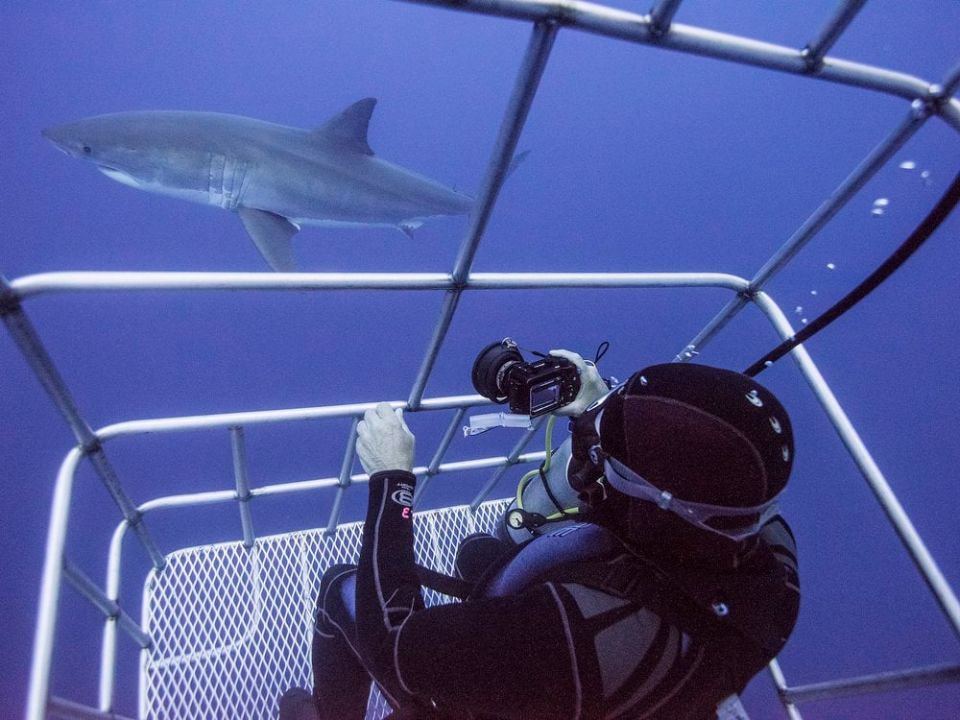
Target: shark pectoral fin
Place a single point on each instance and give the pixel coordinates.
(272, 234)
(408, 226)
(349, 128)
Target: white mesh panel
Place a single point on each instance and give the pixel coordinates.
(232, 627)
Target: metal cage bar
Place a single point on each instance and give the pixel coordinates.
(239, 449)
(878, 682)
(343, 480)
(851, 185)
(110, 608)
(780, 682)
(817, 48)
(897, 516)
(525, 87)
(632, 27)
(442, 447)
(661, 15)
(31, 347)
(69, 710)
(510, 460)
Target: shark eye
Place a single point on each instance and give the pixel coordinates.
(87, 150)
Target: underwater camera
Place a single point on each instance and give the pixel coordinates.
(532, 388)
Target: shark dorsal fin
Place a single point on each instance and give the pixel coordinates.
(349, 128)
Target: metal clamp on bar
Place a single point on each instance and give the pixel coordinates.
(661, 16)
(110, 608)
(9, 300)
(815, 51)
(243, 493)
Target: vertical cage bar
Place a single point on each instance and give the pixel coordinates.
(525, 88)
(49, 603)
(110, 608)
(881, 489)
(130, 513)
(349, 454)
(817, 48)
(239, 448)
(30, 345)
(335, 511)
(661, 15)
(951, 83)
(853, 183)
(434, 465)
(344, 479)
(509, 462)
(720, 321)
(780, 682)
(42, 365)
(450, 301)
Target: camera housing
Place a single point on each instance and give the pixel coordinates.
(531, 388)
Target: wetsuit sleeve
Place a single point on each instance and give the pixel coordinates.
(388, 591)
(513, 656)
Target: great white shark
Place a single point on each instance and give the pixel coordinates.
(276, 178)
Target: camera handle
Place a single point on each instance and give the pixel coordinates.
(481, 423)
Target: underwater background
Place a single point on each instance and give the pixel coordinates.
(640, 160)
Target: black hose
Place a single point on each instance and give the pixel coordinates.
(920, 235)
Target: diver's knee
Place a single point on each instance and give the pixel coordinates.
(475, 554)
(329, 601)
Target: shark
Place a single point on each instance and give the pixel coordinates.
(276, 178)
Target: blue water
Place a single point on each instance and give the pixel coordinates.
(641, 160)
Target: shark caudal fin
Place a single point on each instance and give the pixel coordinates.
(408, 226)
(273, 235)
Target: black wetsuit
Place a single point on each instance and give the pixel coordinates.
(587, 645)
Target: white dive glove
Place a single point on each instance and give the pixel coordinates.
(592, 386)
(384, 442)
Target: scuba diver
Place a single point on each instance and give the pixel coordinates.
(641, 572)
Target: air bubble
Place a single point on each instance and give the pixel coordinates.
(831, 266)
(877, 212)
(799, 309)
(813, 292)
(908, 165)
(881, 202)
(803, 320)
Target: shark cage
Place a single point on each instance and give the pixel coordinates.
(225, 628)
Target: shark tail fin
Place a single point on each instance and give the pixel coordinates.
(408, 226)
(272, 234)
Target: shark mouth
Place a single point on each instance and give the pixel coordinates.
(118, 175)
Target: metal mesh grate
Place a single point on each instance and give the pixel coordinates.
(231, 627)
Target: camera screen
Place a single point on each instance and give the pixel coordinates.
(544, 397)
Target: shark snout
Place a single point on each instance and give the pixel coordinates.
(63, 140)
